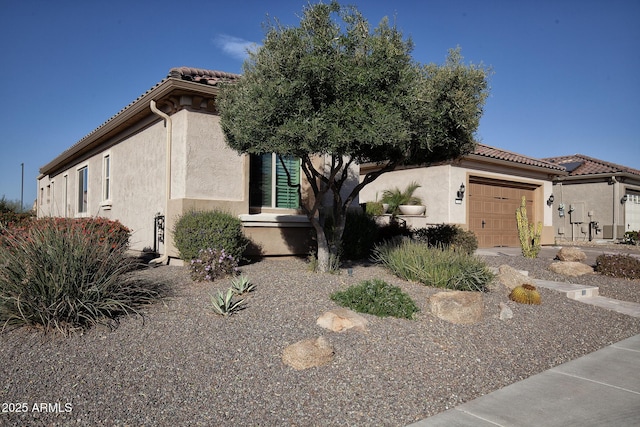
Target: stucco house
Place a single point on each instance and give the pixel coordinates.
(479, 192)
(165, 154)
(595, 200)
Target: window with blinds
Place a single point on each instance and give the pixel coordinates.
(268, 183)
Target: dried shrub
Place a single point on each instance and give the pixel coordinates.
(619, 265)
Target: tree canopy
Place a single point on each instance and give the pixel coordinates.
(335, 87)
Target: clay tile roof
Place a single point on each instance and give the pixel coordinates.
(498, 154)
(199, 75)
(579, 164)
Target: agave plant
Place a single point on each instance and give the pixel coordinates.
(224, 304)
(396, 197)
(242, 285)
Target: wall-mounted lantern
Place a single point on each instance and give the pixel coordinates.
(550, 200)
(460, 194)
(624, 199)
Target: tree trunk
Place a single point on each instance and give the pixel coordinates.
(323, 253)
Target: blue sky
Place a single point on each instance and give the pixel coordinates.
(565, 72)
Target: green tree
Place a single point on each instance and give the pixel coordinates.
(334, 87)
(9, 206)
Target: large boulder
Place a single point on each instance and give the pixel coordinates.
(342, 319)
(511, 278)
(571, 253)
(458, 307)
(308, 353)
(570, 268)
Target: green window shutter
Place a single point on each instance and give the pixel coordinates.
(287, 196)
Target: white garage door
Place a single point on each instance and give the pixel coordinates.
(632, 212)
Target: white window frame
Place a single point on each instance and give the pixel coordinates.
(82, 200)
(106, 181)
(274, 184)
(65, 195)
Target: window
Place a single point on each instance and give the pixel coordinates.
(83, 181)
(106, 177)
(269, 189)
(65, 195)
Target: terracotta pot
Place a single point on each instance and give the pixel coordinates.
(412, 209)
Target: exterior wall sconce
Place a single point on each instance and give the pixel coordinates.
(460, 194)
(550, 200)
(624, 199)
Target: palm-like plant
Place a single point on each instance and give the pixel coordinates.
(397, 197)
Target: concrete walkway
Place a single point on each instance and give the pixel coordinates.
(599, 389)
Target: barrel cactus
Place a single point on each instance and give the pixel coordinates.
(525, 294)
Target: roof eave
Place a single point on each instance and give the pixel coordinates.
(120, 121)
(511, 163)
(601, 175)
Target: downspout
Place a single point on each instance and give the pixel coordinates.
(165, 257)
(616, 206)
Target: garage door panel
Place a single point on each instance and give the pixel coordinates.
(492, 211)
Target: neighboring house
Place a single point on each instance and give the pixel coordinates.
(165, 154)
(480, 192)
(597, 200)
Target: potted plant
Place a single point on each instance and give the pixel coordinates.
(403, 202)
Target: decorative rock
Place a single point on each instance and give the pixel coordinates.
(511, 278)
(570, 268)
(308, 353)
(341, 319)
(457, 306)
(505, 312)
(570, 253)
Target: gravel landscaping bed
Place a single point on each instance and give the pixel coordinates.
(183, 365)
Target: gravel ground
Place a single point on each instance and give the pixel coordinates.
(183, 365)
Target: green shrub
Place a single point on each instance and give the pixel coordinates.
(360, 233)
(441, 268)
(196, 230)
(394, 230)
(374, 208)
(66, 274)
(449, 236)
(211, 264)
(378, 298)
(619, 265)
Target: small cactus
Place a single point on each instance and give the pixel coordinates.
(525, 294)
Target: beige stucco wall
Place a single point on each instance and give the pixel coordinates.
(137, 185)
(439, 185)
(438, 189)
(597, 198)
(206, 175)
